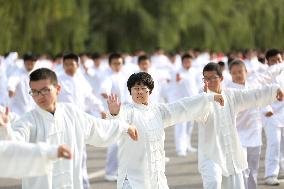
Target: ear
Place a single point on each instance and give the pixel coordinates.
(221, 78)
(58, 88)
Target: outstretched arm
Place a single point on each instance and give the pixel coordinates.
(189, 108)
(259, 97)
(29, 160)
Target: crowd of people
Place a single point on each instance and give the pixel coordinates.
(51, 108)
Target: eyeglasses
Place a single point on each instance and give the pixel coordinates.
(143, 89)
(210, 79)
(43, 92)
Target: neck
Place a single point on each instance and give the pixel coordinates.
(52, 108)
(240, 82)
(218, 90)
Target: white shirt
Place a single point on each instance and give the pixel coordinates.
(143, 161)
(26, 160)
(71, 126)
(22, 102)
(77, 90)
(217, 136)
(249, 125)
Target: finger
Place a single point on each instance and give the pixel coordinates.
(7, 111)
(136, 134)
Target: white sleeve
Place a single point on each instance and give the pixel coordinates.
(187, 109)
(99, 132)
(25, 159)
(268, 76)
(259, 97)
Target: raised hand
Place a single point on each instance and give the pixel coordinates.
(219, 99)
(64, 152)
(4, 117)
(279, 95)
(132, 132)
(113, 104)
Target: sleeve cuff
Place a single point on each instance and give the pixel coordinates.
(51, 152)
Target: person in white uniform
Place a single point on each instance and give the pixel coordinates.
(249, 125)
(221, 158)
(114, 83)
(274, 130)
(61, 123)
(142, 163)
(185, 86)
(75, 89)
(18, 87)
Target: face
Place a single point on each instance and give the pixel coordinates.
(44, 94)
(274, 60)
(144, 65)
(140, 94)
(186, 63)
(239, 74)
(116, 64)
(29, 65)
(213, 80)
(70, 66)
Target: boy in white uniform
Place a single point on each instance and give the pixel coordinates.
(221, 158)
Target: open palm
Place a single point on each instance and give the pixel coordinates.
(113, 104)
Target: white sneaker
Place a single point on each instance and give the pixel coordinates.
(271, 181)
(111, 178)
(181, 154)
(191, 149)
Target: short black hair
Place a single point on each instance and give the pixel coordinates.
(42, 74)
(186, 56)
(140, 78)
(271, 52)
(236, 62)
(213, 67)
(95, 56)
(72, 56)
(29, 57)
(114, 56)
(142, 58)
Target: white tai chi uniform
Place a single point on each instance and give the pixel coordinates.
(22, 102)
(69, 126)
(186, 87)
(221, 158)
(115, 83)
(76, 90)
(20, 160)
(143, 162)
(274, 131)
(249, 127)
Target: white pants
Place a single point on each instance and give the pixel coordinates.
(250, 175)
(213, 179)
(274, 156)
(112, 161)
(183, 136)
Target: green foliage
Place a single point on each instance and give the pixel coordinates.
(52, 26)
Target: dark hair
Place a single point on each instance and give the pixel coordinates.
(212, 67)
(95, 56)
(42, 74)
(140, 78)
(185, 56)
(271, 52)
(29, 56)
(72, 56)
(235, 63)
(113, 56)
(142, 58)
(221, 63)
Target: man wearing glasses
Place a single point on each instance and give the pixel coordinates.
(60, 123)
